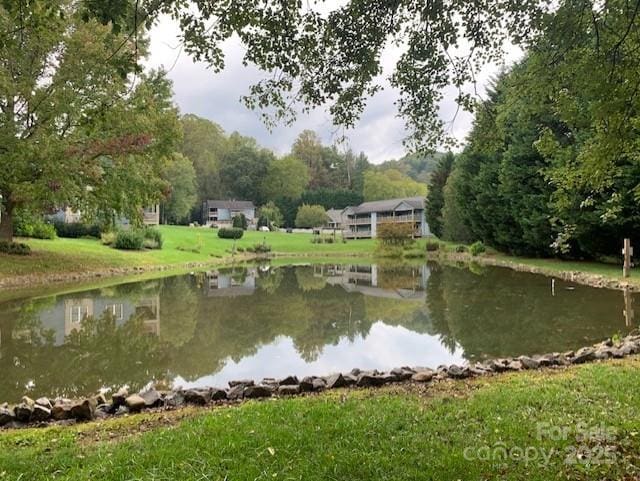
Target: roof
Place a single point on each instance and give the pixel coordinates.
(389, 205)
(335, 215)
(230, 204)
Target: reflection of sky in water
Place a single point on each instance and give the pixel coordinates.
(384, 347)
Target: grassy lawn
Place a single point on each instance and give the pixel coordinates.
(449, 431)
(82, 255)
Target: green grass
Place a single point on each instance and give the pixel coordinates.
(82, 255)
(393, 433)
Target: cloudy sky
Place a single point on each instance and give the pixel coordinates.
(217, 97)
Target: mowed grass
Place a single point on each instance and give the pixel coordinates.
(450, 431)
(180, 246)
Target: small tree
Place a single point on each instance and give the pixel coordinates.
(311, 216)
(393, 234)
(240, 221)
(269, 215)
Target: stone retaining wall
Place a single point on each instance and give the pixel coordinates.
(43, 411)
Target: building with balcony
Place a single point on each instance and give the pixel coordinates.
(221, 212)
(362, 221)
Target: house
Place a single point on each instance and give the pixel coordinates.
(150, 216)
(362, 221)
(336, 219)
(222, 212)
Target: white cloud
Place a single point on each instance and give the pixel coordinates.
(216, 96)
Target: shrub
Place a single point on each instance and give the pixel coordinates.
(433, 246)
(152, 238)
(309, 216)
(261, 248)
(240, 249)
(239, 222)
(390, 233)
(460, 249)
(230, 233)
(14, 248)
(129, 240)
(477, 248)
(108, 238)
(30, 225)
(74, 230)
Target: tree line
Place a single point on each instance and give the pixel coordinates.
(551, 166)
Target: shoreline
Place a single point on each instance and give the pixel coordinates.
(44, 412)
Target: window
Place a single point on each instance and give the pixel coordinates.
(116, 310)
(78, 313)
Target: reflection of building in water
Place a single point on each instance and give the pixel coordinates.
(231, 283)
(67, 314)
(371, 280)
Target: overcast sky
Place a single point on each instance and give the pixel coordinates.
(216, 97)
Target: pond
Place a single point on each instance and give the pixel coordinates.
(205, 329)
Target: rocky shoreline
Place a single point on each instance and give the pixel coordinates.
(577, 277)
(45, 412)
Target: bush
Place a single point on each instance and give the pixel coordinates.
(14, 248)
(239, 222)
(74, 230)
(460, 249)
(30, 225)
(310, 216)
(433, 246)
(230, 233)
(477, 248)
(390, 233)
(108, 238)
(129, 240)
(240, 249)
(152, 238)
(261, 248)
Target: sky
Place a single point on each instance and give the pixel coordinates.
(216, 96)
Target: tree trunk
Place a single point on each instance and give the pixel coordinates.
(6, 223)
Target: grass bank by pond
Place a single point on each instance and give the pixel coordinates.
(578, 423)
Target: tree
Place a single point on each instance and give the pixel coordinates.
(435, 198)
(181, 176)
(332, 198)
(75, 129)
(244, 166)
(310, 216)
(269, 215)
(390, 184)
(287, 177)
(239, 221)
(205, 144)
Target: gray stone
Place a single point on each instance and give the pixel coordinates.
(350, 379)
(135, 403)
(422, 376)
(23, 412)
(319, 384)
(119, 398)
(306, 385)
(40, 413)
(629, 347)
(174, 399)
(528, 362)
(584, 355)
(236, 392)
(84, 410)
(335, 381)
(100, 399)
(514, 365)
(369, 380)
(603, 352)
(388, 377)
(355, 372)
(289, 381)
(197, 396)
(497, 365)
(151, 398)
(62, 409)
(458, 372)
(122, 410)
(218, 394)
(289, 390)
(253, 392)
(401, 374)
(6, 416)
(241, 382)
(44, 402)
(617, 353)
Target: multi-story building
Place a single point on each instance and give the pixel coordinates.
(222, 212)
(362, 221)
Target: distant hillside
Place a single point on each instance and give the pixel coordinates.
(416, 166)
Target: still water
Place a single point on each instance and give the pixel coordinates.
(205, 329)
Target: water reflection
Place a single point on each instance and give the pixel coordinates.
(210, 327)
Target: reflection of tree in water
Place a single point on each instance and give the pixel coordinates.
(179, 310)
(506, 313)
(309, 280)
